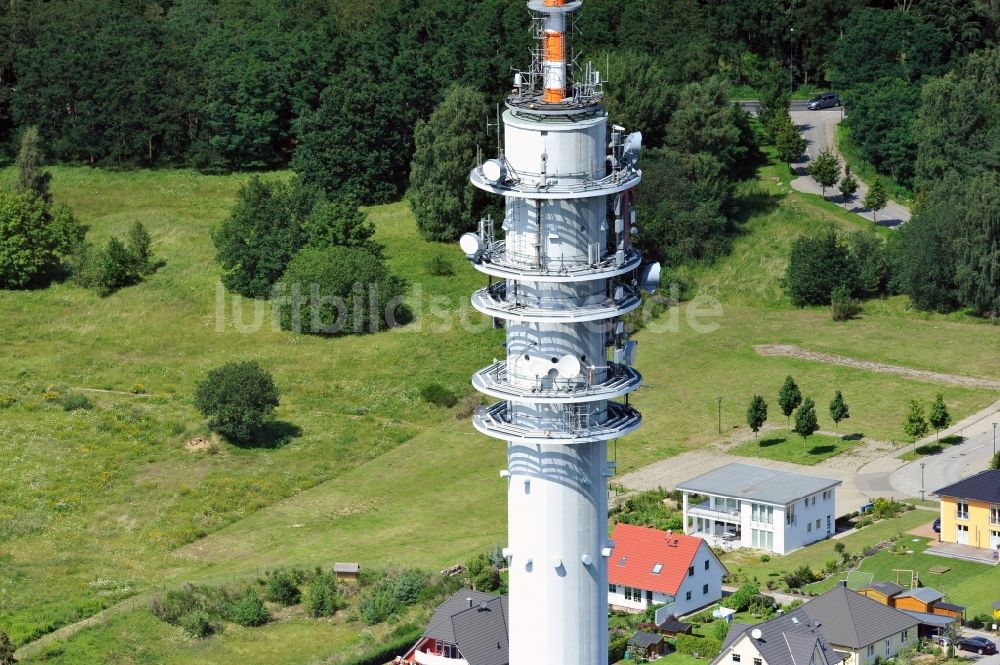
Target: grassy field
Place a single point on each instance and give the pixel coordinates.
(974, 585)
(101, 504)
(787, 446)
(934, 448)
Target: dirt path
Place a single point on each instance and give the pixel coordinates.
(792, 351)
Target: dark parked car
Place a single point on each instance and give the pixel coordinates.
(976, 644)
(937, 525)
(825, 101)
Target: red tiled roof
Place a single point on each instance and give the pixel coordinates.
(643, 548)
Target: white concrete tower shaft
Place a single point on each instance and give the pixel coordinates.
(566, 275)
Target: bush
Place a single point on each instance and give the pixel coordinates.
(800, 577)
(34, 239)
(75, 402)
(388, 650)
(616, 648)
(440, 266)
(380, 603)
(438, 395)
(743, 596)
(238, 399)
(172, 606)
(282, 587)
(764, 558)
(197, 624)
(323, 599)
(409, 585)
(249, 610)
(703, 647)
(116, 265)
(335, 290)
(7, 400)
(842, 306)
(863, 522)
(839, 547)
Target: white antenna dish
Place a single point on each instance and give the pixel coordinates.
(472, 245)
(632, 147)
(568, 366)
(494, 171)
(539, 367)
(518, 80)
(650, 279)
(756, 633)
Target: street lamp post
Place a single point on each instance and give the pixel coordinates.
(994, 439)
(719, 402)
(791, 61)
(922, 465)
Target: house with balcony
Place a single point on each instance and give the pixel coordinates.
(470, 628)
(649, 566)
(970, 511)
(743, 505)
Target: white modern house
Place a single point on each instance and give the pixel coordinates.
(649, 566)
(767, 509)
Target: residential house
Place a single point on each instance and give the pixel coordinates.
(789, 639)
(649, 566)
(766, 509)
(470, 628)
(970, 511)
(861, 628)
(923, 604)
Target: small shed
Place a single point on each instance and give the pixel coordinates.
(671, 627)
(649, 644)
(996, 609)
(346, 571)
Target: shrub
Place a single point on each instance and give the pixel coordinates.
(197, 624)
(7, 400)
(75, 402)
(117, 264)
(438, 395)
(249, 610)
(863, 522)
(238, 399)
(482, 575)
(34, 239)
(800, 577)
(743, 596)
(839, 547)
(282, 587)
(172, 606)
(409, 585)
(338, 290)
(323, 599)
(616, 648)
(379, 604)
(842, 306)
(719, 630)
(440, 266)
(831, 566)
(701, 646)
(764, 558)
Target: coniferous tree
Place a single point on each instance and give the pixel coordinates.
(30, 175)
(915, 425)
(978, 246)
(939, 416)
(756, 414)
(825, 169)
(790, 397)
(787, 138)
(443, 200)
(848, 184)
(838, 409)
(876, 198)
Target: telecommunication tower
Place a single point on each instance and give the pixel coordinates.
(562, 276)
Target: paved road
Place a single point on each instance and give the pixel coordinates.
(819, 130)
(949, 466)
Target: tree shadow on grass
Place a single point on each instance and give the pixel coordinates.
(773, 441)
(275, 434)
(822, 450)
(856, 436)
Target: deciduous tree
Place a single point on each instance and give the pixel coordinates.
(34, 239)
(825, 169)
(31, 177)
(790, 397)
(848, 185)
(838, 409)
(876, 198)
(756, 414)
(239, 399)
(805, 420)
(939, 416)
(915, 425)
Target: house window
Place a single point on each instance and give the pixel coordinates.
(657, 568)
(905, 636)
(704, 589)
(994, 539)
(612, 588)
(690, 571)
(687, 596)
(706, 564)
(962, 511)
(995, 514)
(888, 648)
(763, 540)
(871, 650)
(809, 527)
(790, 515)
(817, 525)
(758, 661)
(813, 502)
(736, 658)
(761, 514)
(633, 594)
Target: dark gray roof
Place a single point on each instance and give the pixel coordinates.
(923, 594)
(756, 483)
(936, 620)
(886, 588)
(480, 631)
(644, 639)
(672, 625)
(949, 606)
(784, 640)
(984, 486)
(851, 620)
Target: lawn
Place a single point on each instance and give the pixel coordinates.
(786, 446)
(748, 561)
(974, 585)
(102, 504)
(934, 448)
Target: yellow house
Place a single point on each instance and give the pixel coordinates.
(970, 511)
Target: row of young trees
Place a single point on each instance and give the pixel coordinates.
(791, 402)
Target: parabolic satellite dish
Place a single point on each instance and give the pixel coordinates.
(494, 171)
(568, 366)
(472, 245)
(632, 147)
(650, 279)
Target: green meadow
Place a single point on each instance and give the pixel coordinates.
(105, 504)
